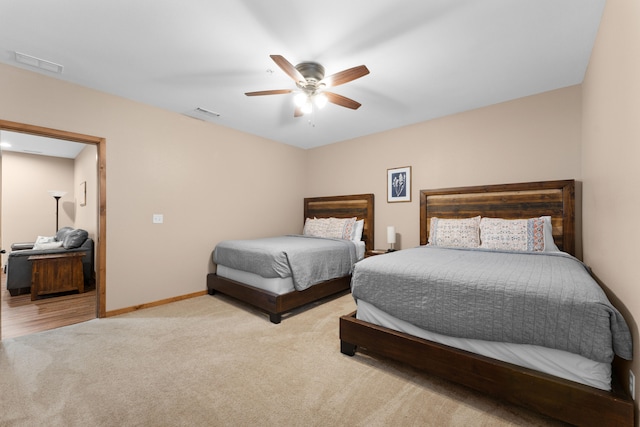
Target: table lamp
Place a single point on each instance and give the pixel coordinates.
(391, 237)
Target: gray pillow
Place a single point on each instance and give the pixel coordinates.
(62, 233)
(75, 239)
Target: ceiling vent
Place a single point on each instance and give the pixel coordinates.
(202, 114)
(206, 112)
(32, 61)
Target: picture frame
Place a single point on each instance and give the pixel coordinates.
(399, 184)
(83, 193)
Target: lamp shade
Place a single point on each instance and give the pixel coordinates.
(320, 100)
(391, 234)
(300, 99)
(57, 193)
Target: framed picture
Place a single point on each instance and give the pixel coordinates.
(82, 197)
(399, 184)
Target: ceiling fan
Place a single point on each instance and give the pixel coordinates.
(312, 85)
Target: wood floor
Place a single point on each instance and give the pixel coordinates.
(21, 316)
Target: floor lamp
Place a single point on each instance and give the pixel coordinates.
(56, 195)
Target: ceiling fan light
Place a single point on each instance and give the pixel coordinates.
(300, 99)
(320, 100)
(307, 107)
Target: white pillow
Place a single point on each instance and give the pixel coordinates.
(45, 239)
(356, 236)
(455, 233)
(549, 244)
(47, 245)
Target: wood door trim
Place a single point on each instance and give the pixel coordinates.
(101, 240)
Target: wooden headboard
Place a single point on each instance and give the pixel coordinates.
(358, 205)
(509, 201)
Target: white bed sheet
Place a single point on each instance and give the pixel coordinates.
(559, 363)
(277, 285)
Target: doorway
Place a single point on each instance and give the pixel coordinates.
(100, 240)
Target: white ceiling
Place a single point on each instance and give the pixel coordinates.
(39, 145)
(427, 58)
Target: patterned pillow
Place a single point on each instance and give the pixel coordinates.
(315, 226)
(455, 233)
(512, 234)
(332, 228)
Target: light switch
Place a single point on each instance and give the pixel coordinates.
(158, 218)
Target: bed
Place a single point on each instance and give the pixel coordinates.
(279, 295)
(574, 400)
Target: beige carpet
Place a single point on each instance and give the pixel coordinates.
(210, 361)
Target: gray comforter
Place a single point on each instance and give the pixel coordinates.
(545, 299)
(308, 260)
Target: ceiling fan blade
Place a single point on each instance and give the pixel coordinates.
(288, 68)
(269, 92)
(342, 100)
(298, 112)
(345, 76)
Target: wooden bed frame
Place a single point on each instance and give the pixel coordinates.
(555, 397)
(359, 205)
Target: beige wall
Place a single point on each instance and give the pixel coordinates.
(611, 159)
(529, 139)
(211, 183)
(28, 211)
(86, 170)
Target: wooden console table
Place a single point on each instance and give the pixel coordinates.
(59, 272)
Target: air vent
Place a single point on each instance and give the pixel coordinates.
(201, 110)
(32, 61)
(203, 114)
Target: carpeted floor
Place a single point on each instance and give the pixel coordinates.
(210, 361)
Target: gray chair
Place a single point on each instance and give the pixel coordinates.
(19, 266)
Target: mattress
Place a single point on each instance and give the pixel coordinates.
(559, 363)
(277, 285)
(534, 298)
